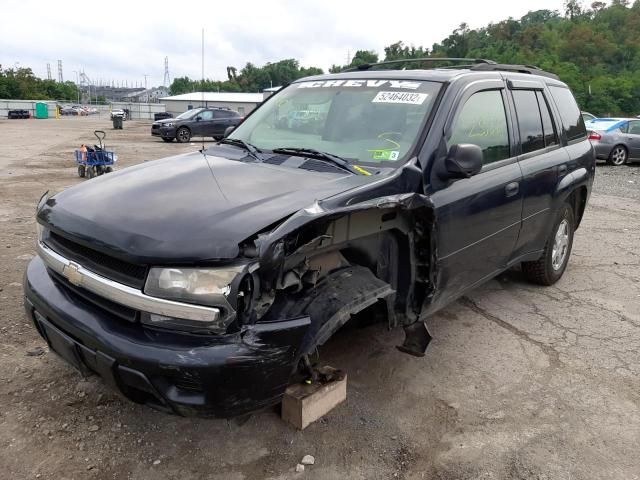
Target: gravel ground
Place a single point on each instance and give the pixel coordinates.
(621, 181)
(520, 382)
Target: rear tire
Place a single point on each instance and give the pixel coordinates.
(183, 135)
(81, 171)
(550, 267)
(91, 172)
(618, 156)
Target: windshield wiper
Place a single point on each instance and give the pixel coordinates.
(317, 154)
(253, 151)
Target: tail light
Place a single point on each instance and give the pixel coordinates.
(595, 136)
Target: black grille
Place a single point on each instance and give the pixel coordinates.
(113, 308)
(131, 274)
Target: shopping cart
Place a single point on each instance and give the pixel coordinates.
(96, 160)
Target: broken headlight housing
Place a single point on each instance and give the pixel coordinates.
(201, 286)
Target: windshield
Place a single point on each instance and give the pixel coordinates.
(188, 114)
(371, 122)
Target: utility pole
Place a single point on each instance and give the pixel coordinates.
(145, 81)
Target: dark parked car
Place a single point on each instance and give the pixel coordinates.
(616, 140)
(15, 114)
(162, 115)
(199, 122)
(211, 280)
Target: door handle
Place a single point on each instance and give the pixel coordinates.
(512, 189)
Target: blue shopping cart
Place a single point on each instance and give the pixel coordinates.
(96, 160)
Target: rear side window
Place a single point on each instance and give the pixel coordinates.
(634, 127)
(548, 128)
(483, 122)
(529, 120)
(569, 113)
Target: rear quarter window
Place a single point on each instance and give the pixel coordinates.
(569, 113)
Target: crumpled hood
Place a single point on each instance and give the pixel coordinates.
(175, 210)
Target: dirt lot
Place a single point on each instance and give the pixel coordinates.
(519, 382)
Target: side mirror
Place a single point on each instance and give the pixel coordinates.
(228, 130)
(198, 119)
(464, 160)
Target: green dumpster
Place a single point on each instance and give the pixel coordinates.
(42, 111)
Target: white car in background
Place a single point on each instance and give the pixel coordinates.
(118, 112)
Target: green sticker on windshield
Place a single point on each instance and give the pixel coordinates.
(384, 155)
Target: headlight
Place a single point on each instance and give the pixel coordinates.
(192, 285)
(170, 124)
(202, 286)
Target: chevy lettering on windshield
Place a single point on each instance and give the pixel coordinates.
(361, 83)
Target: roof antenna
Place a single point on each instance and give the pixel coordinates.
(204, 154)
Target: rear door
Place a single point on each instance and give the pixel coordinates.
(223, 119)
(542, 159)
(479, 218)
(633, 138)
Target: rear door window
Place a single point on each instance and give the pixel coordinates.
(548, 128)
(569, 113)
(483, 122)
(634, 127)
(529, 120)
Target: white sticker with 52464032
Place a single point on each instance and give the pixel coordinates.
(412, 98)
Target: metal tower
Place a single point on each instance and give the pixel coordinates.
(60, 78)
(48, 71)
(167, 81)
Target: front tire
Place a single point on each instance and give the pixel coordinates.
(183, 135)
(618, 156)
(91, 172)
(81, 171)
(550, 267)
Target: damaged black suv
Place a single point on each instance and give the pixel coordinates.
(213, 276)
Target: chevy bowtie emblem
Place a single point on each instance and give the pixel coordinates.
(72, 273)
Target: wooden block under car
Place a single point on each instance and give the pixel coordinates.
(303, 404)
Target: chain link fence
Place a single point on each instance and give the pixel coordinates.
(136, 111)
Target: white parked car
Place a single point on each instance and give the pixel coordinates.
(118, 112)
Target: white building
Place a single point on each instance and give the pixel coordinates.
(242, 103)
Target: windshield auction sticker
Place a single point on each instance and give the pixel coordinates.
(361, 83)
(400, 97)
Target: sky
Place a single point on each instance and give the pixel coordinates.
(124, 41)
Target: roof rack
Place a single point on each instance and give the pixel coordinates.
(505, 67)
(475, 64)
(368, 66)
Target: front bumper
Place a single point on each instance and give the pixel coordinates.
(221, 376)
(164, 132)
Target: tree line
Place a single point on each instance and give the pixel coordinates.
(21, 83)
(595, 49)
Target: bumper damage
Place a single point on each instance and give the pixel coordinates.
(221, 376)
